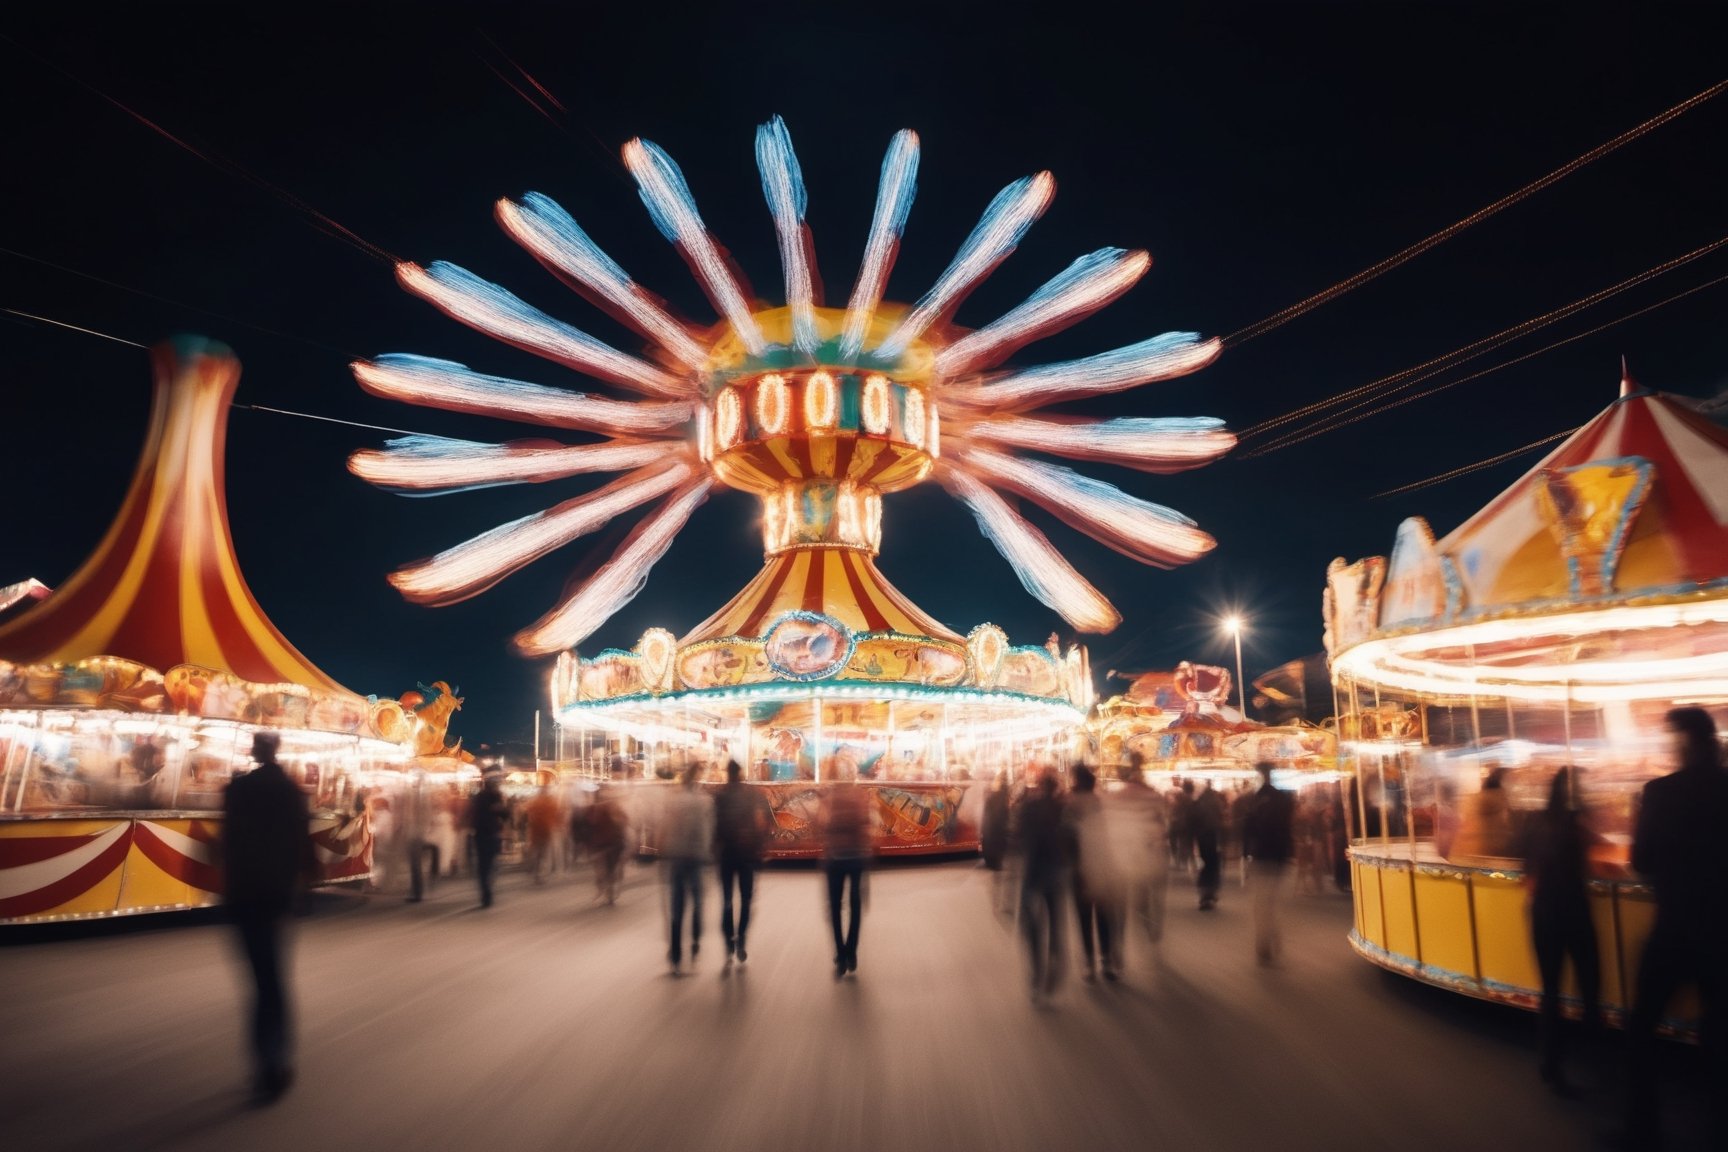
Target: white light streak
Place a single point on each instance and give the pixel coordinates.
(1161, 445)
(433, 465)
(894, 193)
(1042, 570)
(783, 187)
(1147, 532)
(552, 236)
(997, 233)
(454, 387)
(1081, 289)
(471, 567)
(669, 202)
(1160, 358)
(487, 308)
(618, 580)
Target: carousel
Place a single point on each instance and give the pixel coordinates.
(819, 669)
(129, 695)
(1554, 627)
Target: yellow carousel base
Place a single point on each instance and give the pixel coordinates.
(1464, 927)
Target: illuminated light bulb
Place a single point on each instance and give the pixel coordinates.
(914, 430)
(728, 418)
(771, 404)
(821, 401)
(933, 441)
(876, 404)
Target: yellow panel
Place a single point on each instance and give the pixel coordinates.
(1503, 933)
(1368, 902)
(1395, 897)
(1608, 948)
(1443, 918)
(1637, 917)
(147, 886)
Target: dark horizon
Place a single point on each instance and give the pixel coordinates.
(1260, 155)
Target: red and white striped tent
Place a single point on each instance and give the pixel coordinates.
(164, 587)
(1674, 534)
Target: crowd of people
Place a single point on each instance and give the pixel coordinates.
(1058, 839)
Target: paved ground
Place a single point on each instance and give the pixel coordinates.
(548, 1022)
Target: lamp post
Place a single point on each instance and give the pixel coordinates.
(1233, 625)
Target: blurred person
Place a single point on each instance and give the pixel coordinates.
(416, 828)
(741, 828)
(686, 842)
(1268, 841)
(1099, 897)
(605, 833)
(1206, 826)
(1554, 847)
(544, 815)
(993, 830)
(1182, 826)
(1484, 821)
(267, 863)
(488, 812)
(847, 846)
(1138, 820)
(1677, 845)
(1044, 853)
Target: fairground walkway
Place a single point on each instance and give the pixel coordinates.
(547, 1022)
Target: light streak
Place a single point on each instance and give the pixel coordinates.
(783, 187)
(1079, 290)
(453, 387)
(1278, 319)
(1147, 532)
(475, 565)
(1160, 358)
(487, 308)
(673, 210)
(894, 193)
(1476, 467)
(772, 404)
(434, 465)
(915, 424)
(1160, 445)
(1042, 570)
(618, 581)
(554, 238)
(997, 233)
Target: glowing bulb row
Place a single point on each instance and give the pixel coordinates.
(846, 514)
(764, 407)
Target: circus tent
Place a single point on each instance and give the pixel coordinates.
(160, 617)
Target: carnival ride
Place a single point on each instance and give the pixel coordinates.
(128, 695)
(1555, 626)
(818, 666)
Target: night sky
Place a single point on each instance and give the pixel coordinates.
(1261, 155)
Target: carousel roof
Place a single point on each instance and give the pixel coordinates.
(840, 583)
(1635, 501)
(164, 586)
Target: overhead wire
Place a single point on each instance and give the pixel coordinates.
(1388, 385)
(1302, 307)
(1476, 467)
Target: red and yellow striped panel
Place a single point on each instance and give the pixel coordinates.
(839, 582)
(164, 586)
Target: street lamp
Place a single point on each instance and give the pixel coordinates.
(1233, 625)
